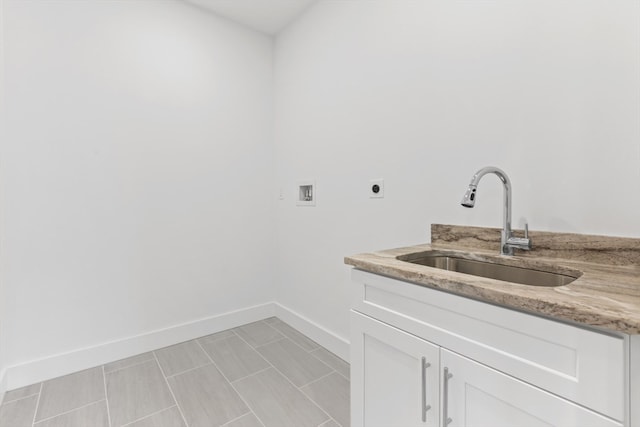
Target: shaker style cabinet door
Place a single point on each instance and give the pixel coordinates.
(394, 376)
(474, 395)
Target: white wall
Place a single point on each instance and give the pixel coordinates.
(424, 93)
(136, 178)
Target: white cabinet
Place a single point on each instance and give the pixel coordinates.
(475, 395)
(397, 380)
(506, 368)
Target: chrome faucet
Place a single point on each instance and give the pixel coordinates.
(507, 241)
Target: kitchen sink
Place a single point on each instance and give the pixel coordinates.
(493, 269)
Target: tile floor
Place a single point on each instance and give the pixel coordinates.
(264, 374)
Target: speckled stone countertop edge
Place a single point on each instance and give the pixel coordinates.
(604, 297)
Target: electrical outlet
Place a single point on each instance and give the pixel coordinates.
(376, 189)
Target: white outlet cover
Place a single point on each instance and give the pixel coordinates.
(380, 187)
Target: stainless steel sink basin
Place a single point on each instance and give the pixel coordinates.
(493, 270)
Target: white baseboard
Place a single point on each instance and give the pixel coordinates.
(62, 364)
(319, 334)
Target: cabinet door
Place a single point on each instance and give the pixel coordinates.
(394, 376)
(474, 395)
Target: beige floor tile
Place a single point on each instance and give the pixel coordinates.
(137, 391)
(295, 363)
(129, 361)
(21, 393)
(342, 367)
(294, 335)
(181, 357)
(18, 413)
(70, 392)
(206, 397)
(94, 415)
(277, 403)
(234, 357)
(331, 393)
(258, 333)
(168, 418)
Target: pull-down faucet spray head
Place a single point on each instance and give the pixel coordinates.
(469, 198)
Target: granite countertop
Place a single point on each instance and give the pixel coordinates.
(605, 296)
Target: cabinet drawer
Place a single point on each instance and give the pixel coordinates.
(581, 365)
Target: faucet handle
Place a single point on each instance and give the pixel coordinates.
(523, 243)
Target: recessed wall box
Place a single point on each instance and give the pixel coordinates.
(306, 193)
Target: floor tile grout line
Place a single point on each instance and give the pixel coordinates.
(217, 341)
(328, 421)
(241, 416)
(251, 374)
(318, 348)
(331, 367)
(37, 404)
(155, 356)
(68, 412)
(324, 363)
(260, 354)
(290, 382)
(302, 348)
(343, 376)
(187, 370)
(298, 344)
(263, 321)
(265, 344)
(294, 341)
(330, 352)
(150, 415)
(106, 395)
(207, 338)
(308, 351)
(231, 384)
(270, 327)
(320, 378)
(142, 362)
(314, 401)
(210, 341)
(4, 402)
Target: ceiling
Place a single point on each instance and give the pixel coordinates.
(267, 16)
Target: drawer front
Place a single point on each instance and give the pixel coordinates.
(583, 366)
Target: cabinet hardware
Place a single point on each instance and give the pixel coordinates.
(445, 398)
(425, 407)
